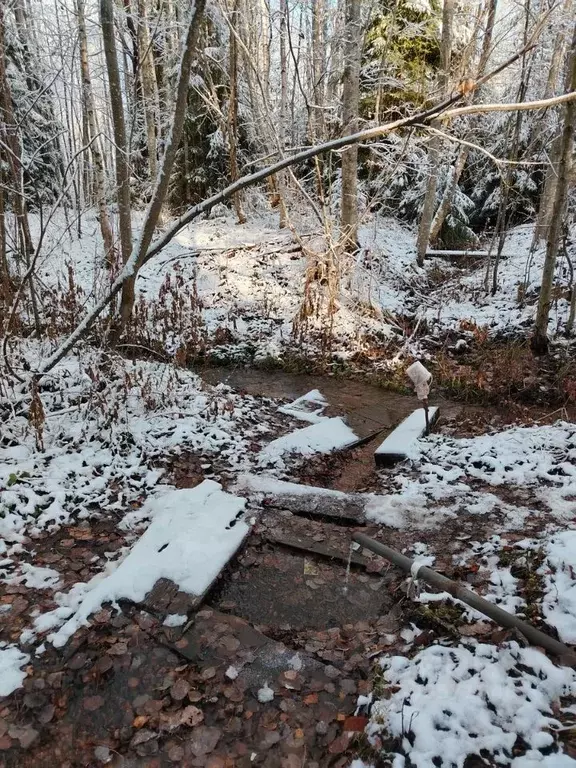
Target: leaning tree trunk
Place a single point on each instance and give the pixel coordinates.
(122, 162)
(539, 342)
(427, 215)
(173, 141)
(350, 104)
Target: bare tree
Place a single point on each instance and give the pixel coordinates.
(121, 145)
(92, 139)
(149, 87)
(548, 192)
(427, 215)
(539, 341)
(233, 110)
(350, 104)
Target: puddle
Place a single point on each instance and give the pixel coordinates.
(367, 407)
(277, 592)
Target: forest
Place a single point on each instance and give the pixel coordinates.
(287, 383)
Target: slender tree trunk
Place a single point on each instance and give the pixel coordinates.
(149, 88)
(317, 126)
(233, 112)
(173, 141)
(539, 340)
(549, 189)
(462, 157)
(429, 205)
(350, 104)
(121, 148)
(9, 134)
(91, 129)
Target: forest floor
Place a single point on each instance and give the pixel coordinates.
(290, 661)
(177, 584)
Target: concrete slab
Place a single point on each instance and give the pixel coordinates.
(396, 445)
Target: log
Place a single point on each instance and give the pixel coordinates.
(535, 636)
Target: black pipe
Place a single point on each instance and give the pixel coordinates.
(502, 617)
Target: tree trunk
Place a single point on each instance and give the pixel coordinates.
(89, 112)
(13, 161)
(350, 104)
(149, 88)
(462, 157)
(173, 142)
(429, 205)
(539, 342)
(121, 148)
(233, 112)
(317, 130)
(549, 188)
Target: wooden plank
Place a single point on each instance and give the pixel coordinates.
(346, 510)
(396, 445)
(307, 545)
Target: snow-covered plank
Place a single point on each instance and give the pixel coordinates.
(395, 447)
(192, 535)
(325, 436)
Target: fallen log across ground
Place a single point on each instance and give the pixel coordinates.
(534, 636)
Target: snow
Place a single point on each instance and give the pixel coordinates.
(11, 662)
(308, 407)
(268, 484)
(33, 576)
(328, 435)
(399, 441)
(559, 571)
(175, 620)
(265, 694)
(187, 542)
(458, 701)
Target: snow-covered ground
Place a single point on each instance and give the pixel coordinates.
(240, 287)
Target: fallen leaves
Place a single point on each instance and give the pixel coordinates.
(190, 716)
(140, 721)
(92, 703)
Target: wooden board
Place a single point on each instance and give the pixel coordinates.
(396, 445)
(308, 545)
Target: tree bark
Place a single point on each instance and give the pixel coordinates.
(233, 112)
(121, 148)
(317, 123)
(429, 205)
(549, 188)
(539, 341)
(149, 88)
(91, 129)
(127, 283)
(350, 104)
(13, 159)
(462, 157)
